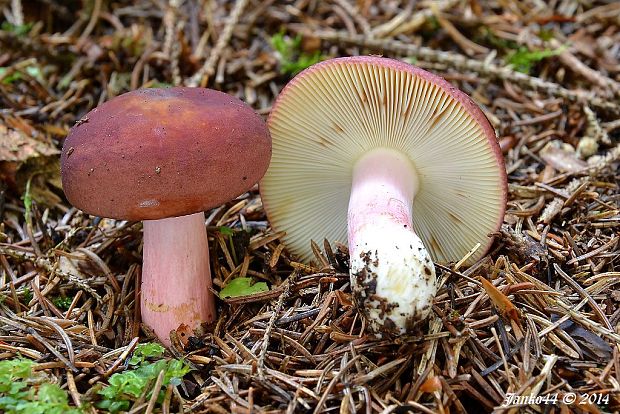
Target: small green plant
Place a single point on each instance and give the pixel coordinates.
(62, 302)
(292, 59)
(27, 295)
(17, 29)
(226, 231)
(237, 241)
(520, 57)
(546, 34)
(523, 59)
(125, 387)
(16, 75)
(145, 351)
(242, 286)
(24, 392)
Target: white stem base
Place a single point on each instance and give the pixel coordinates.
(392, 275)
(176, 277)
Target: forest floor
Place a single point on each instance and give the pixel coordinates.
(538, 316)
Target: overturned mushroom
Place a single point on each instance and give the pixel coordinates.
(164, 156)
(395, 157)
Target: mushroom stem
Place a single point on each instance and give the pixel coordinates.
(392, 275)
(176, 278)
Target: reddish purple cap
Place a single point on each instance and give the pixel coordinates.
(156, 153)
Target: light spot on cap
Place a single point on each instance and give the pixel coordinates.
(159, 131)
(149, 203)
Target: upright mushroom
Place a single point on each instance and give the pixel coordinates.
(400, 160)
(165, 156)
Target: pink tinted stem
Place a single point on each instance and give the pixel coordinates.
(176, 277)
(384, 184)
(392, 276)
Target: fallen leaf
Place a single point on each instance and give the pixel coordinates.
(184, 332)
(242, 286)
(16, 146)
(24, 158)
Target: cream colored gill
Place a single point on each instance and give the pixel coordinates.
(329, 117)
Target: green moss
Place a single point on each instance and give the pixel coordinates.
(292, 60)
(62, 302)
(524, 59)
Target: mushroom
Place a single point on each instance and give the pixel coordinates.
(400, 160)
(165, 156)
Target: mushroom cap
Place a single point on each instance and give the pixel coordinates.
(156, 153)
(328, 116)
